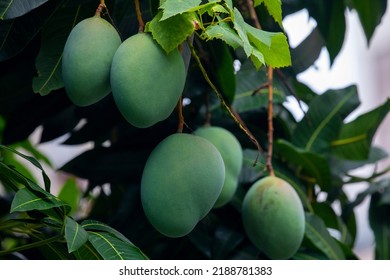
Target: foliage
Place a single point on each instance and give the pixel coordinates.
(316, 155)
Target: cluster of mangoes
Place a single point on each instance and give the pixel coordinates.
(186, 175)
(145, 81)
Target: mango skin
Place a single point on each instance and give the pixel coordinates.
(86, 60)
(181, 181)
(273, 217)
(232, 155)
(146, 81)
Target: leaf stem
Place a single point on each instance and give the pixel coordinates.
(141, 24)
(31, 245)
(221, 99)
(100, 8)
(179, 108)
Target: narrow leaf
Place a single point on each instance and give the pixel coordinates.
(321, 124)
(26, 200)
(97, 226)
(112, 248)
(14, 8)
(87, 252)
(380, 224)
(370, 14)
(314, 164)
(355, 137)
(75, 234)
(307, 52)
(318, 234)
(15, 34)
(48, 62)
(33, 161)
(70, 194)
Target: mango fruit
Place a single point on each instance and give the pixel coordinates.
(146, 81)
(86, 60)
(181, 181)
(231, 152)
(273, 217)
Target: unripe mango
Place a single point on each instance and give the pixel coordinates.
(181, 181)
(273, 217)
(231, 152)
(87, 58)
(146, 81)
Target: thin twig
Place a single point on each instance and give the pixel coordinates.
(269, 84)
(220, 97)
(270, 121)
(253, 14)
(141, 24)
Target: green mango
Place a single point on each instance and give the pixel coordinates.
(146, 81)
(86, 60)
(181, 181)
(273, 217)
(231, 152)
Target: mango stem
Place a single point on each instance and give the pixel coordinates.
(141, 24)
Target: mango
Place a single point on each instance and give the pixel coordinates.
(231, 152)
(146, 81)
(181, 181)
(273, 217)
(86, 60)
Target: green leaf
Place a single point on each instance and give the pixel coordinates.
(92, 225)
(171, 32)
(274, 8)
(75, 234)
(221, 69)
(330, 17)
(370, 14)
(15, 34)
(70, 194)
(175, 7)
(272, 45)
(224, 32)
(307, 52)
(355, 137)
(239, 26)
(33, 161)
(14, 8)
(26, 200)
(54, 36)
(380, 224)
(112, 248)
(322, 123)
(87, 252)
(314, 164)
(325, 211)
(341, 166)
(318, 234)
